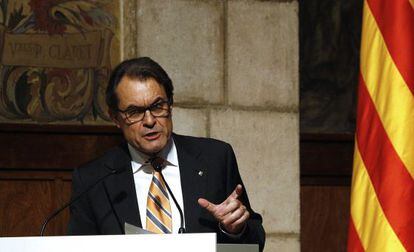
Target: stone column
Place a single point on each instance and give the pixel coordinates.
(234, 65)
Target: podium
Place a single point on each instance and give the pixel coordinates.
(205, 242)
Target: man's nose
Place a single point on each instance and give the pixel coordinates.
(148, 120)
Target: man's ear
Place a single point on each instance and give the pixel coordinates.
(114, 117)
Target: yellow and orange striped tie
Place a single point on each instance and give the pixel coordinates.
(159, 218)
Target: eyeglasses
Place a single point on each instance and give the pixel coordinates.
(134, 114)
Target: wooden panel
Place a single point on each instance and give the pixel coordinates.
(326, 168)
(39, 150)
(26, 202)
(323, 155)
(36, 162)
(61, 226)
(324, 218)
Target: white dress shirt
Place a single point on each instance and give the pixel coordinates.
(142, 171)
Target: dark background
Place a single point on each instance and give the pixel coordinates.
(330, 34)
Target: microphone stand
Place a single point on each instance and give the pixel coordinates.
(181, 230)
(56, 212)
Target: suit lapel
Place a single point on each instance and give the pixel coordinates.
(193, 180)
(121, 188)
(193, 175)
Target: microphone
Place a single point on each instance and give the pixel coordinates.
(157, 163)
(56, 212)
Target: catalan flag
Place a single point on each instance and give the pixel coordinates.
(382, 195)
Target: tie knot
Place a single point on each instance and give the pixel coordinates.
(157, 163)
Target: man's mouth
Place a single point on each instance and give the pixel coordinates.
(152, 136)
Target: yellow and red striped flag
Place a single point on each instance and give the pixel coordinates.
(382, 196)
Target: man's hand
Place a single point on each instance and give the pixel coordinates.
(231, 213)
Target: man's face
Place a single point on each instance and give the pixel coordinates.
(150, 135)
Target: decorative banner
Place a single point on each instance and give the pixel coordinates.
(76, 50)
(382, 197)
(56, 59)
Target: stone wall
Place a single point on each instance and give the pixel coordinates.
(234, 65)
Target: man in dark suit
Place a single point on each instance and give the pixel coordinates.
(203, 172)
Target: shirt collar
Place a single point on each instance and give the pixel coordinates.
(169, 154)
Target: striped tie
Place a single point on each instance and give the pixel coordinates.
(159, 219)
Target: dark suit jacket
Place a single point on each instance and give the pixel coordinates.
(93, 214)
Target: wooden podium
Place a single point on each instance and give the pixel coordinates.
(205, 242)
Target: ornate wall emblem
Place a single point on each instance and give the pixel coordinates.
(55, 60)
